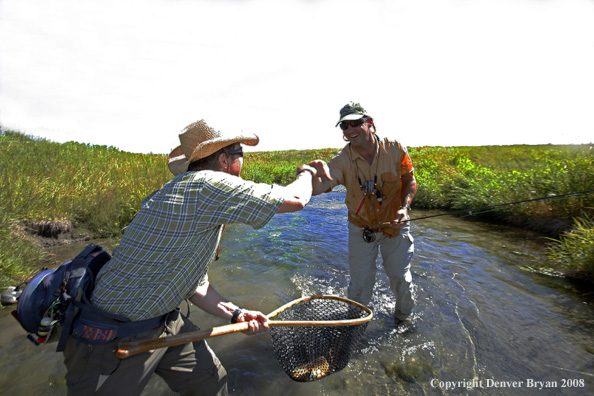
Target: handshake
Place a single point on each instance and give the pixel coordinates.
(321, 178)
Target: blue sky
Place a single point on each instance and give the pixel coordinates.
(132, 73)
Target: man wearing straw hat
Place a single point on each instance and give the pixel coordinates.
(380, 182)
(163, 259)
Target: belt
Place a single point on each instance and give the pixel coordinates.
(95, 326)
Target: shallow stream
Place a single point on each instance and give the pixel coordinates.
(483, 323)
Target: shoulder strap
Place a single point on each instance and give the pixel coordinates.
(69, 315)
(78, 265)
(88, 250)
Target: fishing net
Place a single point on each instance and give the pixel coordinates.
(323, 347)
(312, 337)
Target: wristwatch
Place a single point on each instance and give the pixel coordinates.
(236, 313)
(308, 169)
(407, 207)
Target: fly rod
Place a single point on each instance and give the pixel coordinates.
(491, 207)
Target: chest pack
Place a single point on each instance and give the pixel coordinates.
(45, 305)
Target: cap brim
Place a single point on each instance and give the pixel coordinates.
(350, 117)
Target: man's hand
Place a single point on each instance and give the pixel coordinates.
(401, 219)
(258, 322)
(322, 181)
(321, 168)
(298, 193)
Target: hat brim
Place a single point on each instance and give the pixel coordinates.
(178, 163)
(350, 117)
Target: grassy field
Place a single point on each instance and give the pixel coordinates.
(47, 188)
(470, 177)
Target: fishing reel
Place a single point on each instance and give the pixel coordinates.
(368, 235)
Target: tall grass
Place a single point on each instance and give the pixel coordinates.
(472, 177)
(98, 187)
(573, 253)
(17, 253)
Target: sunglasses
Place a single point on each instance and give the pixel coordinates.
(344, 125)
(238, 151)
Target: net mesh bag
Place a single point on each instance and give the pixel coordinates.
(308, 353)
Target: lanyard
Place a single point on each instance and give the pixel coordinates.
(370, 189)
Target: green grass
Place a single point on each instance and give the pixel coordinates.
(17, 253)
(471, 177)
(96, 186)
(99, 189)
(279, 167)
(573, 253)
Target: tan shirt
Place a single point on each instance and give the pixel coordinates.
(374, 206)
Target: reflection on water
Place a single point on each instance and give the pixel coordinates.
(480, 319)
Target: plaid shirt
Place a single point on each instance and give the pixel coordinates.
(167, 249)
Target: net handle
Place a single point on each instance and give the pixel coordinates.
(128, 349)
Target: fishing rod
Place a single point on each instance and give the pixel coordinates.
(491, 207)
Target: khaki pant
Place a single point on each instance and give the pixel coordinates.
(397, 253)
(189, 369)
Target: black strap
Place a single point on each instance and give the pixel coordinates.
(69, 316)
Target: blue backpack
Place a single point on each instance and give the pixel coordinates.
(44, 308)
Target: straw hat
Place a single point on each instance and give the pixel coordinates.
(198, 140)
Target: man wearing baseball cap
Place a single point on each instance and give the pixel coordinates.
(163, 259)
(380, 183)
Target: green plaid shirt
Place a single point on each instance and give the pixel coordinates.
(167, 249)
